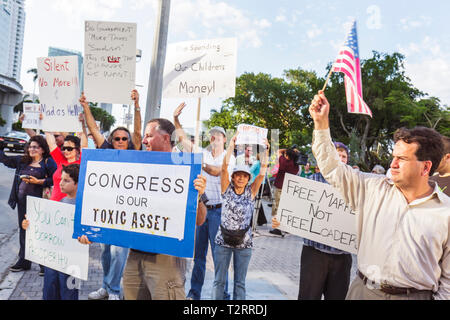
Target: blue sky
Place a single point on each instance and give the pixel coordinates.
(272, 35)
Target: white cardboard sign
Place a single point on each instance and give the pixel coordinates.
(316, 211)
(32, 112)
(248, 134)
(59, 93)
(49, 238)
(137, 190)
(110, 61)
(200, 69)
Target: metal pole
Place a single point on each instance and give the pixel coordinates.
(155, 82)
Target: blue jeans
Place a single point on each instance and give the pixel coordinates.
(241, 260)
(113, 262)
(207, 230)
(56, 286)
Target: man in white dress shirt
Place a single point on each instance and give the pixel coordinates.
(402, 224)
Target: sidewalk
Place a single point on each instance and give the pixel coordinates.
(273, 274)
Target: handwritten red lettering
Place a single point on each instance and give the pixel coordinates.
(114, 59)
(53, 65)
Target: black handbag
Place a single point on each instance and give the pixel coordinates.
(233, 238)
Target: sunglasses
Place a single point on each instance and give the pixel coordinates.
(67, 148)
(119, 138)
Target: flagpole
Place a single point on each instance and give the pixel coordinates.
(328, 78)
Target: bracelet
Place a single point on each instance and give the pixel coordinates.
(137, 109)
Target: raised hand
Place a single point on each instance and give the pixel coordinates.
(178, 110)
(319, 111)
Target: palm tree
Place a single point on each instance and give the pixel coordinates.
(35, 77)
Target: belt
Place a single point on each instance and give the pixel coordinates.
(214, 206)
(386, 288)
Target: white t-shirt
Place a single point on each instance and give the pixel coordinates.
(213, 188)
(240, 160)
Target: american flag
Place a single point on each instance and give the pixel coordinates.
(347, 62)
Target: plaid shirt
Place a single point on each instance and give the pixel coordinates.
(319, 246)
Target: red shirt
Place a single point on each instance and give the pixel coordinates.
(286, 166)
(60, 160)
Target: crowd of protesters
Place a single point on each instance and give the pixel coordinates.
(403, 214)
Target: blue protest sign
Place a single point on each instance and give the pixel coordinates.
(138, 199)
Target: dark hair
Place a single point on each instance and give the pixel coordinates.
(73, 170)
(292, 154)
(40, 140)
(340, 145)
(429, 141)
(446, 143)
(76, 141)
(167, 126)
(130, 142)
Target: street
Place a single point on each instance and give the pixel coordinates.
(9, 240)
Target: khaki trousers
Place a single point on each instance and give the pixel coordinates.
(154, 277)
(359, 291)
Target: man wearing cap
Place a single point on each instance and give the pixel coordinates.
(211, 168)
(403, 223)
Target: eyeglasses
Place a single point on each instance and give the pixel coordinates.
(67, 148)
(119, 138)
(34, 147)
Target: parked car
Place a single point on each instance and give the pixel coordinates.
(14, 141)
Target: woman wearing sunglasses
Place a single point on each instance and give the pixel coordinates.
(70, 153)
(34, 172)
(120, 138)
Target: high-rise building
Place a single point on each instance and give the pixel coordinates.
(12, 20)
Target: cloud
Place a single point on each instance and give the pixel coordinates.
(76, 11)
(262, 24)
(427, 64)
(280, 18)
(209, 17)
(408, 24)
(314, 32)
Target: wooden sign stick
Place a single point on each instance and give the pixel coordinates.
(197, 129)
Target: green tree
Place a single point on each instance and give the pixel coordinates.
(106, 120)
(282, 103)
(394, 102)
(272, 103)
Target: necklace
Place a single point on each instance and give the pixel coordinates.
(36, 162)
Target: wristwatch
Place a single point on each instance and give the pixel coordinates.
(204, 166)
(203, 198)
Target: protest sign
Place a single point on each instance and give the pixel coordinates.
(59, 93)
(248, 134)
(32, 112)
(110, 61)
(199, 69)
(49, 241)
(316, 211)
(140, 200)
